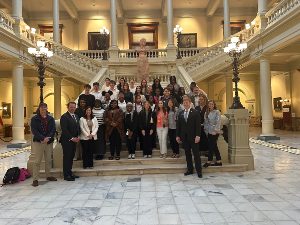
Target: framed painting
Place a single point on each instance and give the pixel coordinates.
(137, 31)
(6, 110)
(97, 41)
(277, 103)
(188, 40)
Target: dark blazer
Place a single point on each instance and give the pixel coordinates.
(131, 125)
(39, 133)
(69, 127)
(201, 112)
(144, 124)
(187, 131)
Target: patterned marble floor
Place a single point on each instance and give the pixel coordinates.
(267, 196)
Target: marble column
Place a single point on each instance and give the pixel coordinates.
(171, 49)
(262, 9)
(30, 100)
(18, 104)
(227, 31)
(57, 97)
(17, 15)
(114, 24)
(56, 33)
(170, 23)
(266, 100)
(113, 50)
(229, 90)
(257, 97)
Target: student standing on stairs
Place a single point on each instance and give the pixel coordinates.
(87, 96)
(172, 117)
(147, 123)
(212, 127)
(100, 148)
(88, 137)
(114, 121)
(162, 128)
(131, 128)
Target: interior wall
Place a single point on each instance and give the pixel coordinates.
(295, 81)
(278, 90)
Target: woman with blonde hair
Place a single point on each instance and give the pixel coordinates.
(212, 127)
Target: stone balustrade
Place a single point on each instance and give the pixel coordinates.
(282, 9)
(6, 21)
(94, 54)
(164, 78)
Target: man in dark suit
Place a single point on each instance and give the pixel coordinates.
(70, 129)
(188, 133)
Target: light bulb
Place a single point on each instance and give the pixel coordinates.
(40, 44)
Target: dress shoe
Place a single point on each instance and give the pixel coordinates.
(205, 165)
(51, 179)
(188, 173)
(217, 164)
(74, 176)
(35, 183)
(200, 175)
(69, 178)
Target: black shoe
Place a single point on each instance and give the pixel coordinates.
(217, 164)
(200, 175)
(74, 176)
(205, 165)
(188, 173)
(69, 178)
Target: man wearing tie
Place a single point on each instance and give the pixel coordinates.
(70, 129)
(188, 133)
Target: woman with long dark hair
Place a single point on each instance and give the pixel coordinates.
(144, 87)
(162, 128)
(88, 136)
(114, 121)
(156, 84)
(127, 93)
(138, 91)
(120, 86)
(147, 124)
(172, 117)
(212, 127)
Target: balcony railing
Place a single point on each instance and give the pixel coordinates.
(281, 10)
(6, 21)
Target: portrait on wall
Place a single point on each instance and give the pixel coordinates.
(97, 41)
(277, 102)
(6, 110)
(188, 40)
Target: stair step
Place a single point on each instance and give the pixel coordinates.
(136, 161)
(140, 169)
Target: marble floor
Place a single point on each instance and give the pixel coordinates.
(267, 196)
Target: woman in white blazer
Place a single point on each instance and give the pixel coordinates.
(89, 127)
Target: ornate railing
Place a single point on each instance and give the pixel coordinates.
(94, 54)
(210, 53)
(281, 10)
(60, 50)
(6, 21)
(164, 78)
(188, 52)
(151, 53)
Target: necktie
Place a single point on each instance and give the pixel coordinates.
(73, 116)
(185, 115)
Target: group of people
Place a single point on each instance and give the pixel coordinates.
(123, 112)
